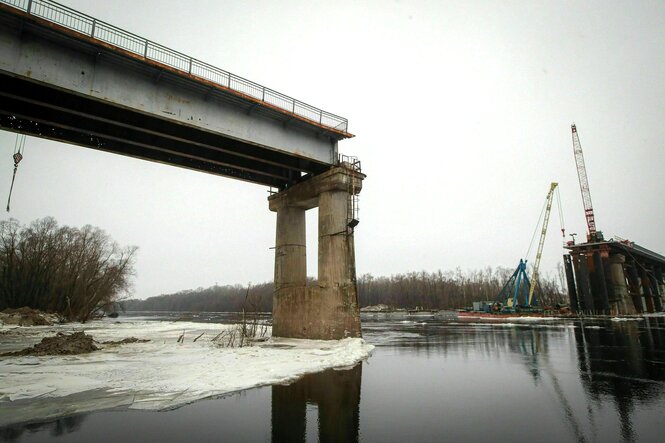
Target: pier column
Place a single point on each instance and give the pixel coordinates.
(589, 301)
(328, 310)
(600, 288)
(337, 267)
(634, 283)
(290, 263)
(646, 289)
(570, 281)
(290, 248)
(584, 294)
(619, 296)
(660, 284)
(336, 258)
(655, 289)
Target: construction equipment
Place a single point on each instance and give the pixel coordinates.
(19, 146)
(593, 235)
(543, 232)
(519, 283)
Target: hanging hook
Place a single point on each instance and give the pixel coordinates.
(17, 157)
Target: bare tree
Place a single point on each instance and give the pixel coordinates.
(76, 272)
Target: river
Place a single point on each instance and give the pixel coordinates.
(431, 379)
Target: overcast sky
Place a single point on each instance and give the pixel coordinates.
(461, 111)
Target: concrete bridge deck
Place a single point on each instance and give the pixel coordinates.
(73, 78)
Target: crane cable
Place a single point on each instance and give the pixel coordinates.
(535, 231)
(19, 146)
(540, 219)
(561, 223)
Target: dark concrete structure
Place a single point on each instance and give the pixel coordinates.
(614, 278)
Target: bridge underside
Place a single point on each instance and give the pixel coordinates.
(42, 111)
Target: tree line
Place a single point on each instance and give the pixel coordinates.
(427, 290)
(77, 272)
(447, 290)
(227, 298)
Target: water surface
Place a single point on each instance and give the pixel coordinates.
(431, 379)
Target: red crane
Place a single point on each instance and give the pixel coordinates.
(593, 235)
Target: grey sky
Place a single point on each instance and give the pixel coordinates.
(462, 112)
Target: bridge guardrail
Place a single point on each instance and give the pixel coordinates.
(107, 33)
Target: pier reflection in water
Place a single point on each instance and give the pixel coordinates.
(55, 428)
(336, 395)
(625, 362)
(432, 380)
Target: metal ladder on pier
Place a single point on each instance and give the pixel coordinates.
(352, 208)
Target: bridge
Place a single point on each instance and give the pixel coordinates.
(614, 277)
(70, 77)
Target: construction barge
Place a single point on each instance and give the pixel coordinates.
(497, 310)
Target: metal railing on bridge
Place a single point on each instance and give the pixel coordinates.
(102, 31)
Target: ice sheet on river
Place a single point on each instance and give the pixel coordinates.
(157, 375)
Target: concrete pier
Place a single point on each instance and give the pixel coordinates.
(290, 249)
(614, 277)
(646, 290)
(582, 270)
(620, 301)
(656, 290)
(329, 310)
(600, 286)
(635, 291)
(570, 281)
(660, 283)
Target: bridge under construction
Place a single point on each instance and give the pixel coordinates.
(610, 277)
(615, 277)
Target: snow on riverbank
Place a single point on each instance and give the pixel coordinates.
(157, 375)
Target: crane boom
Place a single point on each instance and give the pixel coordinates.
(543, 232)
(584, 185)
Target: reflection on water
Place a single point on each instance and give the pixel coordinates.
(431, 379)
(587, 380)
(336, 395)
(55, 428)
(625, 362)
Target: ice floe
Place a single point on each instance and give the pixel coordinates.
(160, 374)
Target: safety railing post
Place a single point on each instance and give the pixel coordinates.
(94, 25)
(320, 116)
(263, 94)
(29, 6)
(145, 50)
(190, 65)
